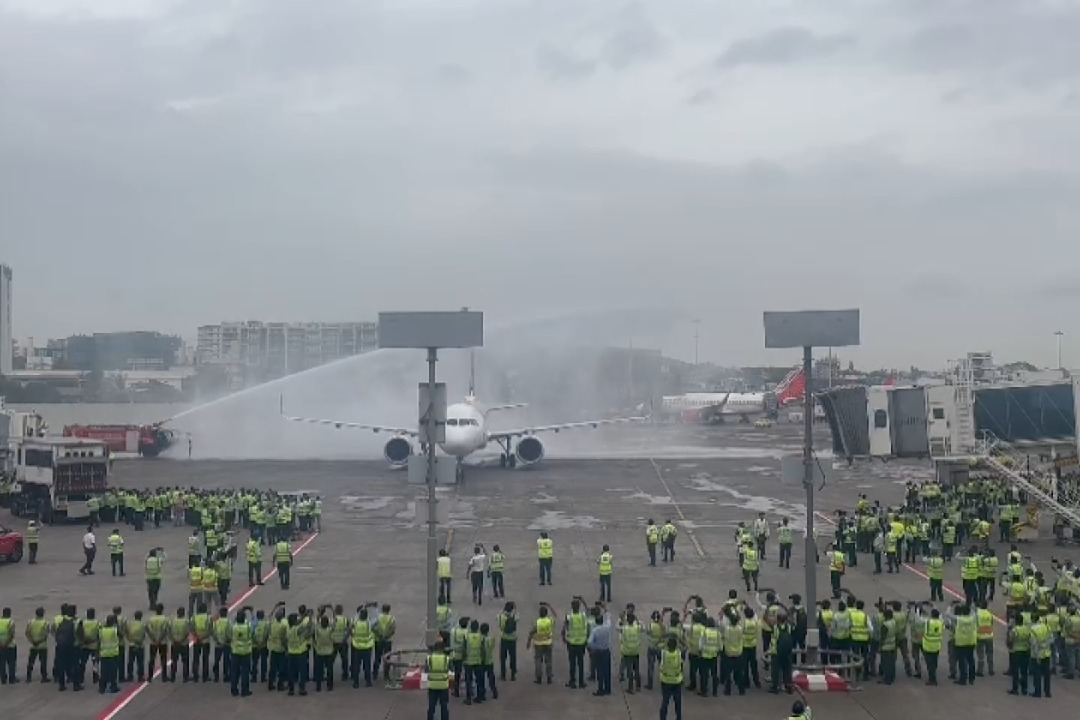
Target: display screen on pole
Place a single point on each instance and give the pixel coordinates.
(463, 329)
(812, 328)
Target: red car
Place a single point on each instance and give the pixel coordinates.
(11, 545)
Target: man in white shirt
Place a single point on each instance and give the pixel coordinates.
(477, 565)
(89, 550)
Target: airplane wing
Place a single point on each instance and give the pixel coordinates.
(508, 406)
(338, 424)
(352, 425)
(501, 434)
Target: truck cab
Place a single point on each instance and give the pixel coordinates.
(56, 477)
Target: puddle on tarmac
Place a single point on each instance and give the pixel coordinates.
(674, 452)
(650, 499)
(557, 520)
(762, 469)
(620, 490)
(543, 498)
(703, 482)
(686, 466)
(362, 503)
(464, 511)
(691, 525)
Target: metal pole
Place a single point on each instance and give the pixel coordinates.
(808, 481)
(1059, 335)
(432, 634)
(697, 326)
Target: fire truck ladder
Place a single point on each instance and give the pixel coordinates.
(1040, 484)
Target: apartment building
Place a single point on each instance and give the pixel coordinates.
(282, 348)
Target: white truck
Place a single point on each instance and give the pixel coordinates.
(56, 477)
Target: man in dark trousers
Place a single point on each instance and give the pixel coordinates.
(65, 655)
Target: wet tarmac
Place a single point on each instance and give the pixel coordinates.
(373, 550)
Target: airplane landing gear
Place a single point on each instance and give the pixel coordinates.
(507, 458)
(459, 471)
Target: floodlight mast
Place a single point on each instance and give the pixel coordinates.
(432, 634)
(431, 331)
(808, 329)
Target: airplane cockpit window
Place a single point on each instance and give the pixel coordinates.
(453, 422)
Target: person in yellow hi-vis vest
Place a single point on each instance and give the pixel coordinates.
(109, 656)
(604, 564)
(542, 638)
(438, 672)
(671, 678)
(443, 570)
(37, 633)
(545, 553)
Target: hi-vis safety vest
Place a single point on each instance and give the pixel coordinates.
(241, 639)
(671, 667)
(362, 637)
(498, 560)
(630, 640)
(710, 647)
(545, 549)
(543, 632)
(254, 552)
(153, 568)
(837, 562)
(578, 632)
(443, 565)
(110, 642)
(860, 628)
(474, 649)
(605, 563)
(966, 632)
(986, 624)
(652, 534)
(438, 671)
(282, 553)
(195, 579)
(935, 630)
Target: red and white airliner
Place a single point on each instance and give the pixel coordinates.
(716, 406)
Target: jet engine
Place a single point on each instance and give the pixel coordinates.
(397, 452)
(529, 451)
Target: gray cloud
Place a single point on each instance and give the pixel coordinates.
(558, 65)
(627, 37)
(996, 41)
(207, 164)
(783, 46)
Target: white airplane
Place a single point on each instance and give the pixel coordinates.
(744, 405)
(467, 432)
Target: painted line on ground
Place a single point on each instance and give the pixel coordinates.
(114, 708)
(958, 595)
(682, 516)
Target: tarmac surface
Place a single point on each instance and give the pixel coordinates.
(372, 549)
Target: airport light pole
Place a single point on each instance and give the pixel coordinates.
(697, 326)
(809, 329)
(1059, 334)
(431, 331)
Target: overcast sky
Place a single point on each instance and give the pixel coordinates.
(166, 164)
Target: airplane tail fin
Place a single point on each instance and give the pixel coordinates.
(791, 388)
